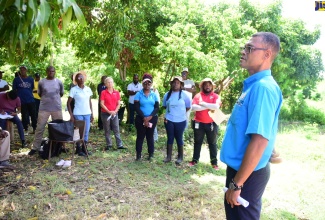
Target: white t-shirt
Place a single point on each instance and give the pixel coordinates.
(188, 84)
(81, 100)
(135, 88)
(2, 84)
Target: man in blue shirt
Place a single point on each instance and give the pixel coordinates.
(251, 129)
(24, 85)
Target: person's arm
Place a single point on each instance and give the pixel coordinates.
(91, 109)
(197, 108)
(211, 106)
(137, 108)
(69, 108)
(39, 89)
(5, 88)
(252, 156)
(117, 107)
(61, 89)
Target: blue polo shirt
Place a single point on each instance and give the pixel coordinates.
(147, 104)
(255, 112)
(176, 106)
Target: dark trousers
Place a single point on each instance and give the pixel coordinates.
(100, 122)
(15, 120)
(252, 191)
(37, 103)
(131, 114)
(175, 130)
(142, 132)
(27, 110)
(211, 131)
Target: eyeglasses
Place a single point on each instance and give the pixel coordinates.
(250, 49)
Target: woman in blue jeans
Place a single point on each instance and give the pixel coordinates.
(176, 103)
(83, 109)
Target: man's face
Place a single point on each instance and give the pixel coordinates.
(37, 78)
(207, 87)
(23, 71)
(253, 56)
(50, 73)
(184, 75)
(135, 79)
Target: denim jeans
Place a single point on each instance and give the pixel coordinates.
(15, 120)
(211, 131)
(131, 114)
(142, 132)
(85, 118)
(111, 123)
(175, 130)
(252, 191)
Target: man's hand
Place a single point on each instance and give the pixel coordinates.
(231, 197)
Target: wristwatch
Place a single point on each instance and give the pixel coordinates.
(234, 186)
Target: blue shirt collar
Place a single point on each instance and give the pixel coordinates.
(255, 77)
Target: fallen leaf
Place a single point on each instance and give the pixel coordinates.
(62, 197)
(18, 177)
(91, 189)
(122, 201)
(32, 188)
(103, 215)
(35, 206)
(68, 192)
(34, 218)
(13, 206)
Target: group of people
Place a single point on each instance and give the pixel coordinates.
(250, 134)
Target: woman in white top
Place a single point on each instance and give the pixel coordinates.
(82, 107)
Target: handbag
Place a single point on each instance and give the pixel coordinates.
(60, 130)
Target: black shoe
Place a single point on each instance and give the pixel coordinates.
(32, 152)
(82, 154)
(121, 148)
(150, 158)
(138, 158)
(108, 148)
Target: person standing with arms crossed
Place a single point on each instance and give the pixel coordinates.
(251, 129)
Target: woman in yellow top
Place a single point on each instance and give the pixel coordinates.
(37, 99)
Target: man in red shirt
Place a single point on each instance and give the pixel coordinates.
(203, 124)
(110, 103)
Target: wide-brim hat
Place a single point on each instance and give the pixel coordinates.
(206, 80)
(79, 72)
(179, 78)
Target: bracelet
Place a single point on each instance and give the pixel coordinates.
(235, 184)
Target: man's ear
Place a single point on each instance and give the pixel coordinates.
(268, 54)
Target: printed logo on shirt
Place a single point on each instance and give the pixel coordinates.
(241, 99)
(25, 85)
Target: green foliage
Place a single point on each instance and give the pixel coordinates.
(297, 110)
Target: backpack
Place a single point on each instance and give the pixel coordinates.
(45, 148)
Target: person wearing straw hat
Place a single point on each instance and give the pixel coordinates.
(50, 89)
(252, 127)
(83, 109)
(203, 124)
(176, 103)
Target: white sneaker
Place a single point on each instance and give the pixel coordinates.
(60, 163)
(67, 163)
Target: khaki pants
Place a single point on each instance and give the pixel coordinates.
(43, 117)
(5, 147)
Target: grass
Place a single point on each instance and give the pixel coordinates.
(112, 185)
